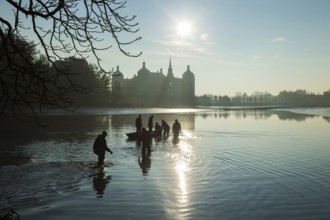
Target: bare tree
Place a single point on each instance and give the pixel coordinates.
(59, 29)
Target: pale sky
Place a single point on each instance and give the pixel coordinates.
(236, 45)
(233, 45)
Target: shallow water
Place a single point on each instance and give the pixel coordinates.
(242, 164)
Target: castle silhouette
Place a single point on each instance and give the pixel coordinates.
(154, 88)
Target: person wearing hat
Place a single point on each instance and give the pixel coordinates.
(100, 146)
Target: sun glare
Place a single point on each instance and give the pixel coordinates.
(184, 28)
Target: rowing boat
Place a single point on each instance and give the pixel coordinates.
(137, 136)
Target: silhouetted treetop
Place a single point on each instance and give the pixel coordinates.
(57, 30)
(70, 28)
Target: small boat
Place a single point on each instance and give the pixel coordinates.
(136, 136)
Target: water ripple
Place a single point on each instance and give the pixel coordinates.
(26, 184)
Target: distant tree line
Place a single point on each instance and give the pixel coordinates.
(36, 83)
(284, 98)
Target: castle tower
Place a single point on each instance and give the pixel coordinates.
(117, 79)
(143, 72)
(119, 74)
(188, 87)
(170, 70)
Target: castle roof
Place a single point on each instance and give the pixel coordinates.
(188, 73)
(143, 71)
(117, 73)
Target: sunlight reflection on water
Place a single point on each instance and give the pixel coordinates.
(182, 167)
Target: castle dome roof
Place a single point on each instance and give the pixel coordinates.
(188, 73)
(143, 71)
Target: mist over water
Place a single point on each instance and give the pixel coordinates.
(241, 164)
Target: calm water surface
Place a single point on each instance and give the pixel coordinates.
(242, 164)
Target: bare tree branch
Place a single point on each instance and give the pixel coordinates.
(60, 29)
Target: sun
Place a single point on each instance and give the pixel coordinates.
(184, 28)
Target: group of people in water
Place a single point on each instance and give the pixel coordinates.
(160, 130)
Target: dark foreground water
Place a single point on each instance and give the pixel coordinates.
(242, 164)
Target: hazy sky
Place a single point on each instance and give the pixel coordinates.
(233, 45)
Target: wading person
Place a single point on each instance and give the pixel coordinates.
(138, 124)
(100, 147)
(158, 131)
(176, 129)
(166, 129)
(150, 123)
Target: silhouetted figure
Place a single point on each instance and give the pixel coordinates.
(150, 123)
(100, 146)
(158, 131)
(138, 124)
(100, 182)
(146, 143)
(176, 129)
(166, 129)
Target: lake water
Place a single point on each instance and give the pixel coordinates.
(239, 164)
